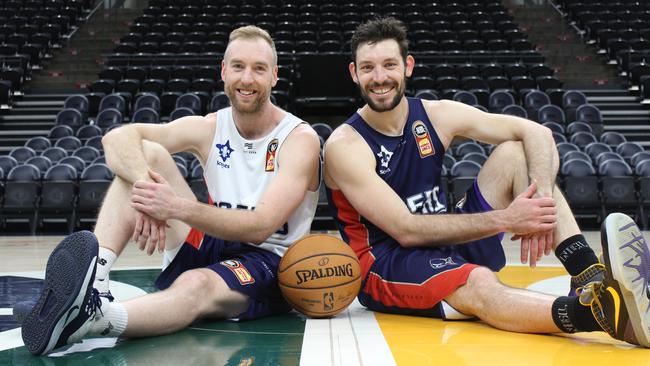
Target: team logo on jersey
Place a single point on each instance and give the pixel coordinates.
(270, 155)
(422, 139)
(384, 159)
(224, 153)
(239, 270)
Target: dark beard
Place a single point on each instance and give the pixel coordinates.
(396, 100)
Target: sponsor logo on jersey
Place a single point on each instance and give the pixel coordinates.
(422, 139)
(225, 151)
(270, 155)
(306, 275)
(384, 159)
(248, 148)
(243, 276)
(438, 263)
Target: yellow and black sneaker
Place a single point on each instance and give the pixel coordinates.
(593, 273)
(621, 303)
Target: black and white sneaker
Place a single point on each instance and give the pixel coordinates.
(68, 303)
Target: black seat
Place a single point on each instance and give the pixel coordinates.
(108, 118)
(569, 155)
(22, 153)
(78, 102)
(580, 185)
(550, 113)
(145, 115)
(74, 161)
(578, 126)
(590, 114)
(191, 101)
(323, 130)
(463, 174)
(197, 184)
(427, 94)
(6, 163)
(554, 127)
(41, 162)
(68, 143)
(515, 110)
(565, 147)
(469, 147)
(21, 195)
(535, 100)
(93, 184)
(88, 131)
(58, 195)
(465, 97)
(55, 153)
(582, 139)
(70, 117)
(571, 100)
(87, 153)
(499, 99)
(219, 100)
(596, 148)
(628, 149)
(38, 143)
(618, 186)
(113, 101)
(612, 138)
(180, 113)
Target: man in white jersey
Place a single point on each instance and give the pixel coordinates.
(262, 169)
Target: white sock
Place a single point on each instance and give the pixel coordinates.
(113, 321)
(105, 261)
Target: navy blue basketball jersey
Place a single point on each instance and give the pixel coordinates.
(410, 164)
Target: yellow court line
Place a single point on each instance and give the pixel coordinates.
(425, 341)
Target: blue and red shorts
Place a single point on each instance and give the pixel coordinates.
(414, 281)
(245, 268)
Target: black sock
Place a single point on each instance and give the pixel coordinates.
(575, 254)
(571, 316)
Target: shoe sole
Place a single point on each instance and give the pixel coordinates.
(70, 269)
(628, 257)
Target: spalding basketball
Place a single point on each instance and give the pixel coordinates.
(319, 275)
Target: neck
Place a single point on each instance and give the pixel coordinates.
(253, 126)
(390, 123)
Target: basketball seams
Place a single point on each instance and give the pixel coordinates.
(319, 288)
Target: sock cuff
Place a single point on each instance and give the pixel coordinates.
(562, 311)
(570, 245)
(117, 318)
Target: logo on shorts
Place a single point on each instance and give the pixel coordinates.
(422, 139)
(239, 270)
(438, 263)
(270, 155)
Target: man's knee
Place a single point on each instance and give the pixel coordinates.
(210, 293)
(470, 298)
(155, 154)
(512, 151)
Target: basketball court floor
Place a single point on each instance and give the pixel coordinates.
(354, 337)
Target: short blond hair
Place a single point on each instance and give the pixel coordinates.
(251, 32)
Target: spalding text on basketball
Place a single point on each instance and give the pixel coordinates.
(314, 274)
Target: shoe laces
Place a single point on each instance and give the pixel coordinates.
(96, 301)
(589, 295)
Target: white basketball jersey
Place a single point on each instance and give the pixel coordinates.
(238, 171)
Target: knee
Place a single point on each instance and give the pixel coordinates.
(480, 284)
(194, 286)
(510, 150)
(155, 154)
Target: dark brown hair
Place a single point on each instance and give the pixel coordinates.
(377, 30)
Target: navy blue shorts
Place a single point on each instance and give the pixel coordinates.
(245, 268)
(414, 281)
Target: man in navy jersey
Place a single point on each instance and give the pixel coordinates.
(383, 173)
(262, 170)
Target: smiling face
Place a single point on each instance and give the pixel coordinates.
(249, 72)
(380, 73)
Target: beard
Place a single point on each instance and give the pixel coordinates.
(385, 106)
(247, 108)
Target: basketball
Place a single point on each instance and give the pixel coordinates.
(319, 275)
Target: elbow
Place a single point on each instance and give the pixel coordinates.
(406, 237)
(263, 229)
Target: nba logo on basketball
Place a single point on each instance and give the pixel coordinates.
(270, 155)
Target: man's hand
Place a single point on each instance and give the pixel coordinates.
(148, 229)
(156, 199)
(536, 245)
(527, 215)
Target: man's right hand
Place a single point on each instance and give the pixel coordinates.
(151, 231)
(526, 215)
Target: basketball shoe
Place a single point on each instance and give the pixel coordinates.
(593, 273)
(67, 303)
(621, 302)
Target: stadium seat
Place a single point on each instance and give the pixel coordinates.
(38, 143)
(145, 115)
(69, 117)
(21, 195)
(58, 196)
(93, 184)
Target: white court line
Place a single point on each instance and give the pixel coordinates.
(353, 338)
(12, 338)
